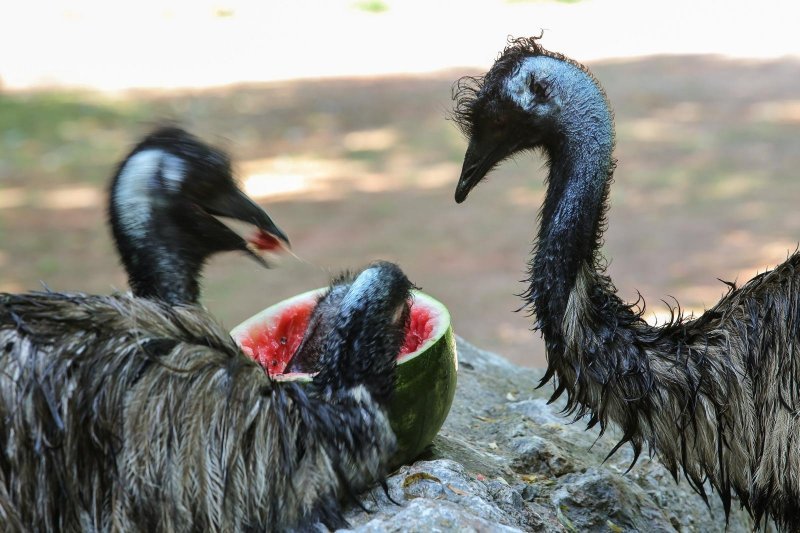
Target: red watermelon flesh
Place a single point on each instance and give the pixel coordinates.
(273, 343)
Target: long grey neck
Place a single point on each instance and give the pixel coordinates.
(572, 219)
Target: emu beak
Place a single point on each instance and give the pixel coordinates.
(268, 238)
(480, 158)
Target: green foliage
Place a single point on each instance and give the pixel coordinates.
(56, 134)
(42, 115)
(559, 1)
(372, 6)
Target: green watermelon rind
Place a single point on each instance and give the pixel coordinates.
(425, 379)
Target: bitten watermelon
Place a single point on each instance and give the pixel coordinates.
(426, 365)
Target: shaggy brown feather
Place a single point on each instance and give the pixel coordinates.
(149, 418)
(717, 395)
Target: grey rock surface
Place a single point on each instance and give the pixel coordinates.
(507, 461)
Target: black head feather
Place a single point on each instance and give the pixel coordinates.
(467, 89)
(471, 93)
(362, 331)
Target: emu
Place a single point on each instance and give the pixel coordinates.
(716, 395)
(139, 412)
(165, 200)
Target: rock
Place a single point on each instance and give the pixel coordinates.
(425, 516)
(530, 492)
(601, 501)
(506, 461)
(535, 454)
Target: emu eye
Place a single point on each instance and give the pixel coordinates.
(538, 90)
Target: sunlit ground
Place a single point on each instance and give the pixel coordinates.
(188, 43)
(336, 115)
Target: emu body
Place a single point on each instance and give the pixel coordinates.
(152, 419)
(717, 395)
(139, 413)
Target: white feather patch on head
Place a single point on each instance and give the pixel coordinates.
(133, 192)
(362, 287)
(518, 86)
(173, 169)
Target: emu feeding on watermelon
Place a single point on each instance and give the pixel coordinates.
(716, 395)
(140, 413)
(290, 338)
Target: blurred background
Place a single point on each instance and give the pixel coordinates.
(336, 114)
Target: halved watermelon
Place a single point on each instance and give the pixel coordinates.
(426, 365)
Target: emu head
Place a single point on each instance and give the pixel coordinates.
(356, 331)
(165, 203)
(530, 98)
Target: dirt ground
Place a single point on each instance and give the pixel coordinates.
(361, 169)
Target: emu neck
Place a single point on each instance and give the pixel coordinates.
(159, 274)
(159, 262)
(571, 222)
